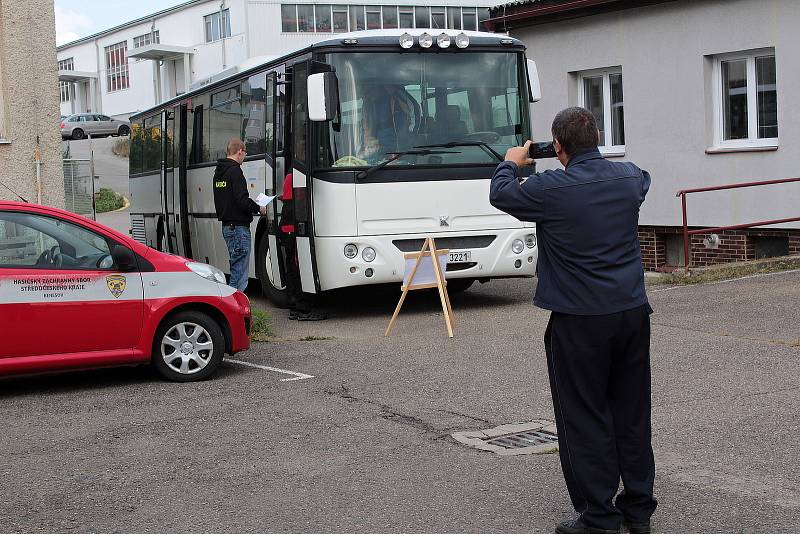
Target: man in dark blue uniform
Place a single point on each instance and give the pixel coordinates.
(598, 338)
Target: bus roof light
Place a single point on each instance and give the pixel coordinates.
(425, 40)
(443, 40)
(462, 41)
(406, 40)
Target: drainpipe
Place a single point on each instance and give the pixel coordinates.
(37, 159)
(222, 33)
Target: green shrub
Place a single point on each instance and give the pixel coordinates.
(261, 329)
(108, 200)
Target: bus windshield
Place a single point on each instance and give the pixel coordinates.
(394, 102)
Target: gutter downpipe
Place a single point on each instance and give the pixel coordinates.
(37, 159)
(222, 28)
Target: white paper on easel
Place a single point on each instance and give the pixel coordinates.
(425, 272)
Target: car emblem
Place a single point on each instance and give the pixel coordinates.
(443, 220)
(116, 284)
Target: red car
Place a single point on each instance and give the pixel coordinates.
(75, 294)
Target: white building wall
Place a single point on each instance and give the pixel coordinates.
(255, 31)
(664, 54)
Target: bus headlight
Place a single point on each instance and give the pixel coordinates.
(425, 40)
(350, 251)
(406, 41)
(368, 254)
(443, 40)
(530, 240)
(517, 246)
(462, 41)
(206, 271)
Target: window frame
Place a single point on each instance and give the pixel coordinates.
(609, 149)
(117, 75)
(64, 87)
(752, 141)
(223, 24)
(146, 39)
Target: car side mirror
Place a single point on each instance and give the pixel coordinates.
(533, 81)
(323, 96)
(124, 259)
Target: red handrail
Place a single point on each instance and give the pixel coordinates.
(686, 232)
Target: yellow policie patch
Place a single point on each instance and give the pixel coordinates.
(220, 184)
(116, 284)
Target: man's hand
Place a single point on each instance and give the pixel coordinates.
(262, 210)
(519, 155)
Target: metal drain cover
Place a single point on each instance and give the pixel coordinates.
(535, 437)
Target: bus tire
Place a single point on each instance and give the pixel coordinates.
(278, 297)
(459, 285)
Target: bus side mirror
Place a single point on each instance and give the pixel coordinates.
(323, 96)
(533, 81)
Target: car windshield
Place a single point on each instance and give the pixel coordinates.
(393, 102)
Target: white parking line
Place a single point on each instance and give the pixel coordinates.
(297, 376)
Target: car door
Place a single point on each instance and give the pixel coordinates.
(60, 293)
(93, 125)
(105, 125)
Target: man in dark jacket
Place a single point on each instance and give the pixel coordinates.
(235, 209)
(598, 338)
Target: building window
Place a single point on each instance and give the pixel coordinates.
(746, 100)
(601, 93)
(216, 30)
(65, 64)
(324, 18)
(146, 39)
(117, 67)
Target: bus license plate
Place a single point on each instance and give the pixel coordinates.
(459, 257)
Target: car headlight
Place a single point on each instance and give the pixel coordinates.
(530, 240)
(350, 251)
(207, 271)
(517, 246)
(368, 254)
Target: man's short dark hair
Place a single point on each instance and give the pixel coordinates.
(576, 130)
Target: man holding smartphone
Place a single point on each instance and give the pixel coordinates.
(598, 337)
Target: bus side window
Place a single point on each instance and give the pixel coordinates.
(256, 132)
(299, 114)
(137, 139)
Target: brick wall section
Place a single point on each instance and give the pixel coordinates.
(735, 245)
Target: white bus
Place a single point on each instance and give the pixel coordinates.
(390, 136)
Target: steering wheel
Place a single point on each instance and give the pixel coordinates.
(485, 137)
(51, 256)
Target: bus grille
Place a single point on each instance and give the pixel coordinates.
(451, 243)
(137, 229)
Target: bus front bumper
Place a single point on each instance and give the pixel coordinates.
(495, 260)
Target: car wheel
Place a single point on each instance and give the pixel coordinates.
(78, 134)
(188, 346)
(124, 130)
(279, 296)
(459, 285)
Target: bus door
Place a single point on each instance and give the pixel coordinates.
(300, 132)
(276, 171)
(174, 179)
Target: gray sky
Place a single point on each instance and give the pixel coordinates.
(79, 18)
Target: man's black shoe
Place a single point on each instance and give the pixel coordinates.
(637, 528)
(576, 526)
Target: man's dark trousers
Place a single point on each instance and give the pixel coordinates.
(599, 368)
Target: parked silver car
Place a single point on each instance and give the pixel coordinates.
(83, 124)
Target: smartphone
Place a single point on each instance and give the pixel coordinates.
(542, 150)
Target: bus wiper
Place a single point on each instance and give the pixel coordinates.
(454, 144)
(397, 155)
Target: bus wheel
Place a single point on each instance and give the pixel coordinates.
(278, 295)
(459, 285)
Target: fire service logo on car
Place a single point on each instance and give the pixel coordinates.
(116, 284)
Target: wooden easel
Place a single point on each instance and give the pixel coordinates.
(428, 250)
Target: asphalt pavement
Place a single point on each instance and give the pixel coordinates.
(365, 446)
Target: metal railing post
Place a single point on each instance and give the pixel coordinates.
(685, 234)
